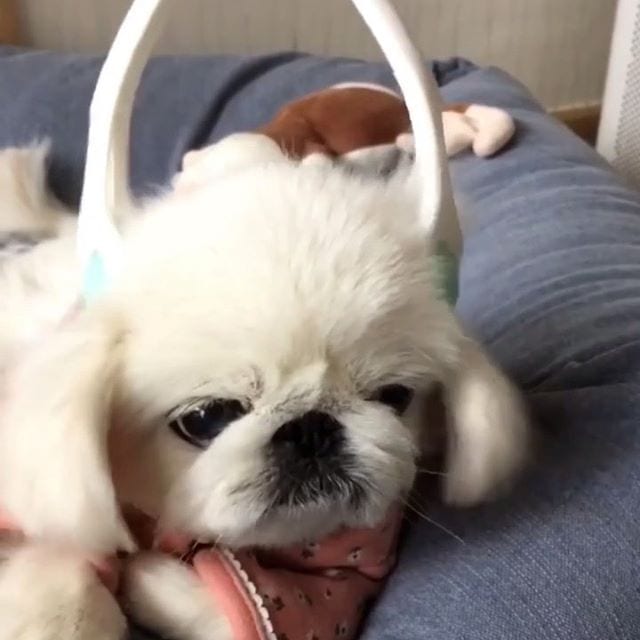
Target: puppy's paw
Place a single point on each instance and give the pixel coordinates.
(48, 595)
(167, 597)
(317, 160)
(494, 128)
(490, 438)
(236, 152)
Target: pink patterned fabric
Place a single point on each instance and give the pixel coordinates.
(317, 591)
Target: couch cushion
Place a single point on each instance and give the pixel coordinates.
(550, 282)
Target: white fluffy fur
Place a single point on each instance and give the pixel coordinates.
(26, 204)
(289, 286)
(38, 287)
(50, 594)
(157, 587)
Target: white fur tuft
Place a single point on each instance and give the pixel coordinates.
(48, 594)
(489, 431)
(27, 206)
(55, 479)
(165, 595)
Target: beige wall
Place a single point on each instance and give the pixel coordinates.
(557, 47)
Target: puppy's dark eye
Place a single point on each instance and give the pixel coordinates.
(200, 425)
(396, 396)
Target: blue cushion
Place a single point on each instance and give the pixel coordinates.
(183, 103)
(550, 283)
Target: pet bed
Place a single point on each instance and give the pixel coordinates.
(550, 282)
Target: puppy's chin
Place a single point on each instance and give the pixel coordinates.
(239, 525)
(285, 526)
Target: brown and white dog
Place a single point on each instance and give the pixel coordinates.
(363, 123)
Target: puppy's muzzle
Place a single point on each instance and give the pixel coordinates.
(315, 434)
(310, 460)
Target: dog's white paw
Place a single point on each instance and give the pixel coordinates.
(167, 597)
(49, 595)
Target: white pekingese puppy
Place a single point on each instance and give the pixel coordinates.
(278, 306)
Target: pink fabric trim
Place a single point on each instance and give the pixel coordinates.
(6, 523)
(225, 584)
(305, 592)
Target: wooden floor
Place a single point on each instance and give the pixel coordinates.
(581, 120)
(9, 22)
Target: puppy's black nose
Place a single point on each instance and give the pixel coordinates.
(313, 434)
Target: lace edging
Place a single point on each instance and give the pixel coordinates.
(250, 587)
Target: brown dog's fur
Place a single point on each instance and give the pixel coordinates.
(337, 120)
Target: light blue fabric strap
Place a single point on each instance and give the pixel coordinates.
(446, 269)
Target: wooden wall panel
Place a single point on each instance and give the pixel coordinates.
(557, 47)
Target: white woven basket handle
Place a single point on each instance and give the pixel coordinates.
(105, 191)
(437, 214)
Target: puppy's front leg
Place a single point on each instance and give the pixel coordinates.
(167, 597)
(45, 595)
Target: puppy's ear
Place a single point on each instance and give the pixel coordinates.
(55, 480)
(236, 152)
(488, 429)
